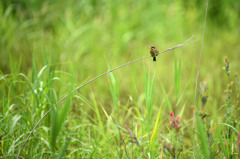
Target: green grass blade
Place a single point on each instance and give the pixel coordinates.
(64, 149)
(202, 136)
(169, 106)
(155, 130)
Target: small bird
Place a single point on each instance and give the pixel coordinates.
(154, 52)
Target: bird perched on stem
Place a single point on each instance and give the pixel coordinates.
(154, 52)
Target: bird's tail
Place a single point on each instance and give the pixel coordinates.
(154, 58)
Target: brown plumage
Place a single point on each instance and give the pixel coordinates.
(154, 52)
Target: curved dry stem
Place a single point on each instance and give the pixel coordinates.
(124, 144)
(172, 48)
(199, 62)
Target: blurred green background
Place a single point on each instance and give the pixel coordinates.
(80, 39)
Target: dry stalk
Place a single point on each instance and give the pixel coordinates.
(197, 79)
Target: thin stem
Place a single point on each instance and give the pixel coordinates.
(124, 144)
(177, 46)
(135, 140)
(199, 62)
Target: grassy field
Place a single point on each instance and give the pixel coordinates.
(143, 110)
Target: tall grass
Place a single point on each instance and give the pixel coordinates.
(49, 48)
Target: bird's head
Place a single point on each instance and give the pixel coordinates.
(152, 48)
